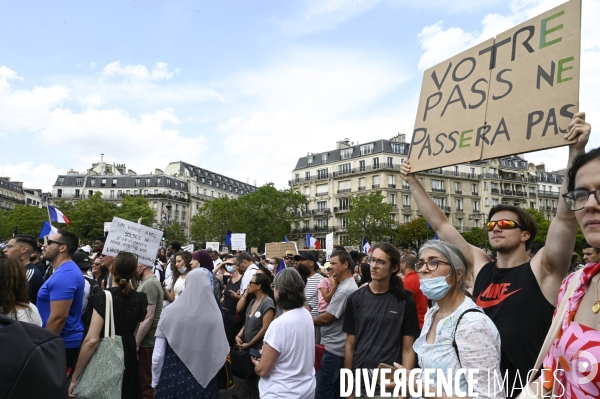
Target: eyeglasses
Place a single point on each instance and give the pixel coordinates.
(504, 224)
(575, 200)
(253, 282)
(432, 264)
(379, 262)
(48, 242)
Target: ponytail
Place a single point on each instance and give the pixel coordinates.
(124, 285)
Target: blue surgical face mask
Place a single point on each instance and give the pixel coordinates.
(435, 288)
(359, 278)
(229, 268)
(183, 269)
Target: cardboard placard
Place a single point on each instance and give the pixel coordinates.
(126, 236)
(278, 249)
(238, 241)
(509, 95)
(212, 245)
(253, 250)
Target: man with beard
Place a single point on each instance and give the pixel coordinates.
(289, 259)
(98, 247)
(518, 293)
(307, 267)
(61, 297)
(36, 260)
(22, 246)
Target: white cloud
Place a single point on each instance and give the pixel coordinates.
(323, 15)
(160, 71)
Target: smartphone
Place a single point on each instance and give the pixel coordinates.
(253, 352)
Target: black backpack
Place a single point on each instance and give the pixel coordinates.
(86, 316)
(33, 361)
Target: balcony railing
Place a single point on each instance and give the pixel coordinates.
(550, 193)
(344, 190)
(474, 193)
(459, 192)
(391, 185)
(495, 191)
(438, 190)
(375, 186)
(362, 188)
(320, 194)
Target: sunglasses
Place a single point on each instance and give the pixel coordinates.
(50, 242)
(504, 224)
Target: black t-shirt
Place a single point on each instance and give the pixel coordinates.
(379, 322)
(35, 279)
(41, 267)
(229, 302)
(514, 301)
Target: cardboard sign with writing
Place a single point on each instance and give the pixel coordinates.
(513, 94)
(238, 241)
(278, 249)
(212, 245)
(126, 236)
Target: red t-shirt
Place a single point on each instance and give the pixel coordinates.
(411, 282)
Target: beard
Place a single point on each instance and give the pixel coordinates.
(303, 270)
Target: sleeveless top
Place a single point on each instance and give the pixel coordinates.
(514, 301)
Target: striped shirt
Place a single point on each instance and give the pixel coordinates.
(311, 292)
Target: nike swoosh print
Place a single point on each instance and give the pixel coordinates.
(488, 304)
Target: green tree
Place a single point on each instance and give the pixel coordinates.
(413, 234)
(542, 224)
(88, 216)
(28, 220)
(478, 237)
(265, 215)
(369, 217)
(134, 207)
(175, 233)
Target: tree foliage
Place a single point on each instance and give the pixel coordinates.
(175, 233)
(27, 219)
(369, 217)
(265, 215)
(413, 234)
(478, 237)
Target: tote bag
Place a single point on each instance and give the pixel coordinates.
(103, 376)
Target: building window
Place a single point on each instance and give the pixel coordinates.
(321, 206)
(342, 223)
(210, 182)
(61, 181)
(376, 181)
(344, 204)
(310, 161)
(392, 181)
(344, 168)
(322, 174)
(112, 193)
(361, 183)
(457, 188)
(323, 158)
(114, 182)
(487, 202)
(474, 189)
(406, 218)
(441, 202)
(375, 163)
(346, 154)
(362, 165)
(485, 185)
(137, 182)
(390, 162)
(80, 181)
(460, 224)
(494, 201)
(103, 183)
(406, 201)
(459, 205)
(397, 148)
(169, 182)
(93, 182)
(217, 185)
(475, 206)
(306, 177)
(145, 192)
(392, 199)
(322, 189)
(147, 182)
(366, 149)
(437, 186)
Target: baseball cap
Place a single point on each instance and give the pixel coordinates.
(307, 256)
(82, 259)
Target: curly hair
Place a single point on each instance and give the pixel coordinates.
(14, 288)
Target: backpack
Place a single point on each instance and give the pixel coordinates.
(161, 271)
(33, 361)
(86, 316)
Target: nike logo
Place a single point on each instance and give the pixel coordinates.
(494, 295)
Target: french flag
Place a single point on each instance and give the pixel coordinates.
(366, 247)
(312, 242)
(57, 216)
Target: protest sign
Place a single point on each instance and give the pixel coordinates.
(278, 249)
(329, 245)
(212, 245)
(512, 94)
(238, 241)
(106, 226)
(126, 236)
(254, 250)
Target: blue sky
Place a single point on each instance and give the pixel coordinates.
(241, 88)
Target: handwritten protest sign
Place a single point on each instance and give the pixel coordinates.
(512, 94)
(212, 245)
(126, 236)
(329, 245)
(238, 241)
(278, 249)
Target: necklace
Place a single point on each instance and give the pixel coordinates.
(596, 307)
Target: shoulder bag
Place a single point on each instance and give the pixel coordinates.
(553, 332)
(103, 375)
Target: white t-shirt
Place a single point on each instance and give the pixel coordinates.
(292, 335)
(29, 315)
(86, 293)
(178, 288)
(247, 277)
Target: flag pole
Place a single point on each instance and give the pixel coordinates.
(49, 217)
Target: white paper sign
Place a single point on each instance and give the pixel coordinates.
(238, 241)
(188, 248)
(329, 245)
(126, 236)
(212, 245)
(106, 226)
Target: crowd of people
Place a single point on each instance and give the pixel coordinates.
(192, 324)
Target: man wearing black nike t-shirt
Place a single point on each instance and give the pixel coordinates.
(517, 293)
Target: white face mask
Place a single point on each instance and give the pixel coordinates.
(270, 267)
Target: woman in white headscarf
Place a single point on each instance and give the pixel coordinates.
(191, 346)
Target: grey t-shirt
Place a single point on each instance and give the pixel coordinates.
(254, 322)
(332, 335)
